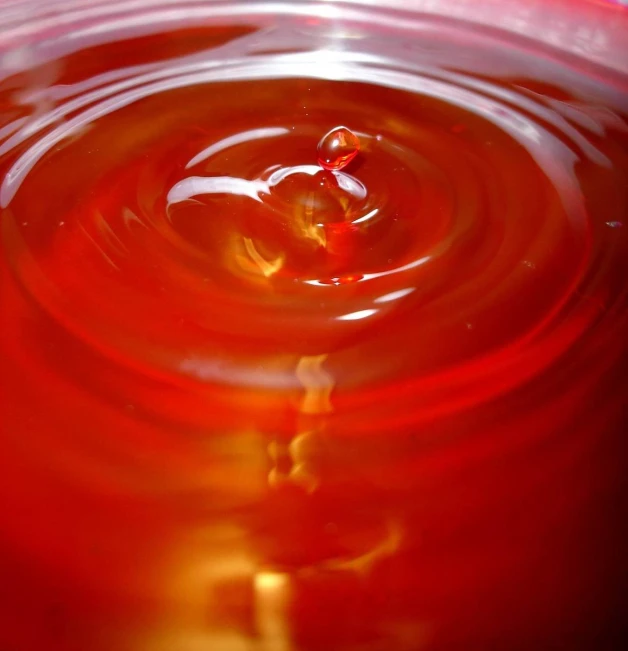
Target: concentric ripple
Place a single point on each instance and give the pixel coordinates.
(448, 308)
(234, 241)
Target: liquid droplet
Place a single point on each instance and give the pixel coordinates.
(337, 148)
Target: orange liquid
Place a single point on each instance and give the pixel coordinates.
(251, 404)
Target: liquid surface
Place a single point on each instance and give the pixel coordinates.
(249, 403)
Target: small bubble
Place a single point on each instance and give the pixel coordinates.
(337, 148)
(614, 224)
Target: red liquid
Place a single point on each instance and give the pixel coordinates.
(337, 148)
(251, 404)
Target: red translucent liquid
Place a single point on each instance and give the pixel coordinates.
(251, 404)
(337, 148)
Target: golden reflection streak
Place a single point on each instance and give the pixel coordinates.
(307, 224)
(196, 571)
(268, 268)
(364, 563)
(299, 451)
(318, 384)
(272, 595)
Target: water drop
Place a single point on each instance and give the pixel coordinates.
(337, 148)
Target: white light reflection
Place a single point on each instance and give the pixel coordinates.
(356, 316)
(553, 155)
(283, 172)
(395, 296)
(237, 139)
(350, 184)
(406, 267)
(272, 599)
(380, 274)
(366, 217)
(197, 185)
(345, 181)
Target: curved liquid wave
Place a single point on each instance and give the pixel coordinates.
(363, 380)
